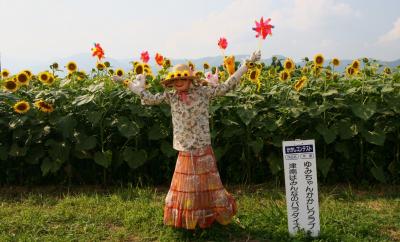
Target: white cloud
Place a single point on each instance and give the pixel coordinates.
(392, 35)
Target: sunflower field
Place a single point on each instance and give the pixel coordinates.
(65, 126)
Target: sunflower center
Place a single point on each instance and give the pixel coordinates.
(139, 69)
(10, 85)
(22, 78)
(22, 106)
(319, 60)
(253, 75)
(44, 77)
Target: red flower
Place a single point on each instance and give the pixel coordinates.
(145, 56)
(222, 43)
(159, 59)
(98, 51)
(263, 29)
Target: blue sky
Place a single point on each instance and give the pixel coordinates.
(43, 30)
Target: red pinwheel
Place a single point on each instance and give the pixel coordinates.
(263, 28)
(98, 51)
(159, 59)
(145, 56)
(222, 43)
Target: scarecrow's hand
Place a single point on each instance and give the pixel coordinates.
(137, 86)
(256, 56)
(117, 78)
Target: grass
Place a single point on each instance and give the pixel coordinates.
(135, 214)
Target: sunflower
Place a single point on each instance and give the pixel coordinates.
(305, 70)
(316, 70)
(11, 85)
(81, 75)
(43, 106)
(148, 70)
(166, 63)
(350, 71)
(135, 63)
(71, 66)
(328, 74)
(254, 75)
(50, 80)
(355, 65)
(21, 107)
(126, 82)
(111, 71)
(289, 64)
(119, 72)
(199, 74)
(107, 64)
(100, 66)
(335, 62)
(206, 66)
(284, 75)
(44, 76)
(5, 73)
(23, 78)
(54, 66)
(387, 71)
(191, 65)
(300, 83)
(319, 60)
(139, 68)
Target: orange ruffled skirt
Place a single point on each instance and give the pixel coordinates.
(196, 195)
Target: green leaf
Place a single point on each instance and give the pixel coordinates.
(374, 137)
(387, 89)
(346, 129)
(156, 132)
(275, 163)
(81, 100)
(246, 115)
(128, 128)
(49, 166)
(330, 93)
(66, 126)
(364, 111)
(94, 117)
(35, 154)
(86, 143)
(343, 148)
(17, 151)
(103, 158)
(324, 165)
(329, 134)
(257, 145)
(166, 149)
(58, 151)
(378, 174)
(3, 153)
(134, 158)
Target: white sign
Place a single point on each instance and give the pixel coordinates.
(301, 186)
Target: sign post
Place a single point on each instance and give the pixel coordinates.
(301, 186)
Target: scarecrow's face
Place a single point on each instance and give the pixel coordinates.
(182, 84)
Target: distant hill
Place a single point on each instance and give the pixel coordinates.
(86, 62)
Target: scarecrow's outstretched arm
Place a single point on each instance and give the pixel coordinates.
(233, 80)
(137, 86)
(153, 99)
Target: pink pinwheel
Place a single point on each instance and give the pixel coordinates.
(263, 28)
(145, 56)
(222, 43)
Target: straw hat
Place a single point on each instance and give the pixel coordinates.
(179, 72)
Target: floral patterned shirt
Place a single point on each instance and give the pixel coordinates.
(190, 119)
